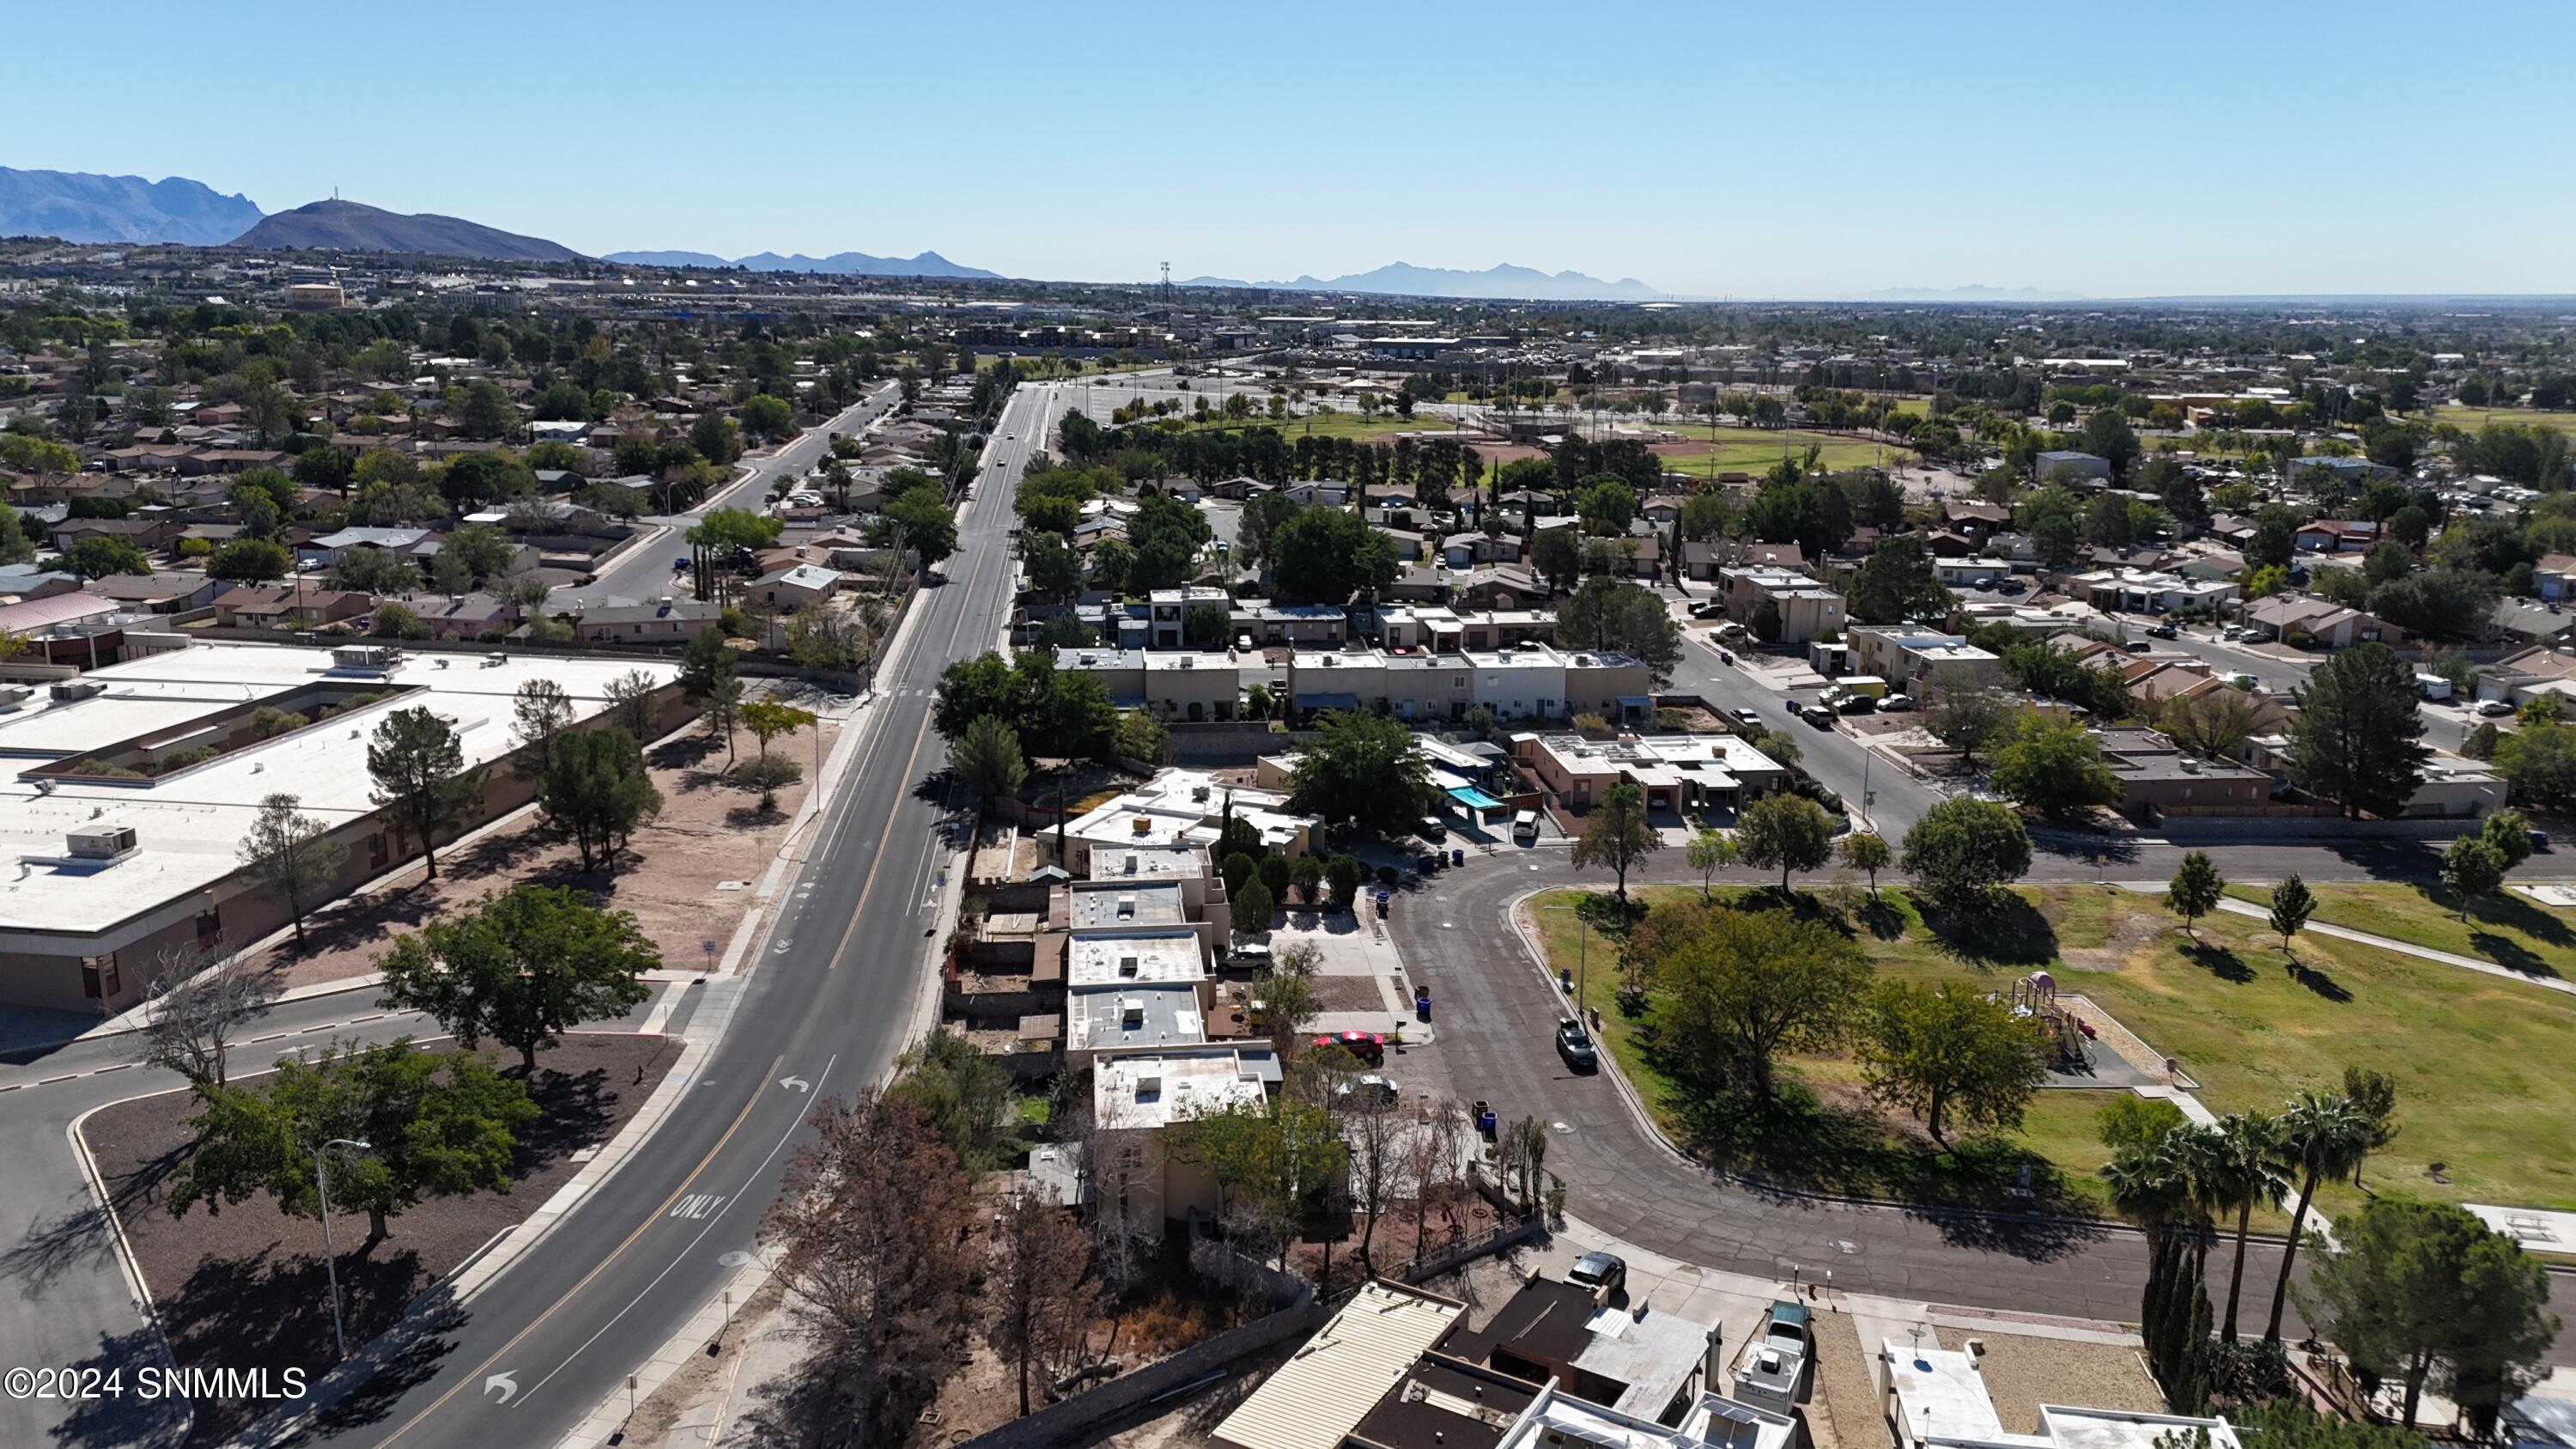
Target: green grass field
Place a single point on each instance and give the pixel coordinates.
(1350, 425)
(2514, 932)
(1752, 450)
(2477, 1059)
(2472, 419)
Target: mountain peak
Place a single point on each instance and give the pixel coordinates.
(350, 226)
(82, 206)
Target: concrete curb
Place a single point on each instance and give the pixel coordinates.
(125, 1260)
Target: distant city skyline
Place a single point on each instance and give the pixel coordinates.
(2195, 149)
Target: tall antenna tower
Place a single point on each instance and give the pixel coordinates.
(1167, 281)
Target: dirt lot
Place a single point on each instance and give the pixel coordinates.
(245, 1288)
(711, 831)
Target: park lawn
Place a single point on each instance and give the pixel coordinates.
(1752, 450)
(2475, 1056)
(2471, 419)
(2513, 931)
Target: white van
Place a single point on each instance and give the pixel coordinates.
(1525, 827)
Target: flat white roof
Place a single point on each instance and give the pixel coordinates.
(1133, 958)
(1139, 861)
(1939, 1394)
(1157, 1089)
(189, 825)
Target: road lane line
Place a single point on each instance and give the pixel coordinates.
(476, 1375)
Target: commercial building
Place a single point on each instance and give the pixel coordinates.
(125, 794)
(1676, 773)
(2159, 777)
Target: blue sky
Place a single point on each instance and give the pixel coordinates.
(1710, 149)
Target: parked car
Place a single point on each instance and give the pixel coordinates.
(1575, 1045)
(2138, 646)
(2162, 631)
(1368, 1092)
(1707, 609)
(2494, 708)
(1430, 828)
(1604, 1273)
(1249, 953)
(2540, 840)
(1821, 717)
(1744, 716)
(1855, 704)
(1525, 826)
(2010, 587)
(1368, 1046)
(1897, 703)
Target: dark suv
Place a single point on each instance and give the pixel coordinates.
(1575, 1045)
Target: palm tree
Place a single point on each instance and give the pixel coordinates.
(2146, 1186)
(2321, 1136)
(2242, 1177)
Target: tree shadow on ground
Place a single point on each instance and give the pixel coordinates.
(399, 1360)
(272, 1310)
(2218, 961)
(573, 1111)
(2317, 981)
(2511, 955)
(1798, 1142)
(2007, 932)
(127, 1420)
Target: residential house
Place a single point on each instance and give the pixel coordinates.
(290, 606)
(2068, 466)
(2337, 535)
(2158, 777)
(152, 535)
(460, 616)
(404, 543)
(670, 621)
(2144, 591)
(2289, 616)
(1806, 608)
(794, 587)
(2555, 576)
(2348, 470)
(170, 593)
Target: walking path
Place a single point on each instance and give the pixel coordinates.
(2384, 943)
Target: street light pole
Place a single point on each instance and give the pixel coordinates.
(330, 1256)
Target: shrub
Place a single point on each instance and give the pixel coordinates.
(768, 772)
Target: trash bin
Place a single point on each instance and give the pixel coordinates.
(1457, 856)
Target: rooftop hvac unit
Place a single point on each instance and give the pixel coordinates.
(1126, 907)
(1127, 966)
(105, 842)
(1149, 1085)
(72, 689)
(1131, 863)
(13, 696)
(1131, 1012)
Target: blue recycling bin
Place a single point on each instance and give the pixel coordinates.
(1457, 856)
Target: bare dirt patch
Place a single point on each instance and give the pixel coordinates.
(245, 1288)
(711, 831)
(2137, 931)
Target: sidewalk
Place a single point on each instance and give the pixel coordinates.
(2403, 948)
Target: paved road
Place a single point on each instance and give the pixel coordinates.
(828, 1009)
(1495, 1016)
(643, 572)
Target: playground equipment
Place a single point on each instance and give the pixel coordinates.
(2035, 996)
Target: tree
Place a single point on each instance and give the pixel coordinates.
(2054, 766)
(2415, 1287)
(2195, 891)
(101, 554)
(986, 758)
(291, 854)
(764, 416)
(1306, 875)
(2127, 1123)
(521, 967)
(1950, 1050)
(873, 1220)
(249, 561)
(1618, 835)
(1738, 987)
(1709, 852)
(1558, 554)
(419, 772)
(1253, 908)
(1325, 555)
(1609, 613)
(1867, 853)
(1039, 1285)
(631, 705)
(539, 713)
(2470, 869)
(2292, 904)
(596, 790)
(1967, 717)
(1346, 876)
(2356, 738)
(1268, 1159)
(439, 1124)
(2539, 761)
(2321, 1136)
(2210, 723)
(716, 438)
(1784, 830)
(198, 997)
(2510, 834)
(1360, 768)
(707, 680)
(1054, 570)
(1141, 736)
(767, 719)
(1896, 582)
(1962, 850)
(2234, 1165)
(2373, 1093)
(929, 525)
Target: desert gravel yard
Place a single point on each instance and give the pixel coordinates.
(244, 1288)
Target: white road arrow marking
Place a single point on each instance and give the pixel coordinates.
(796, 1084)
(508, 1384)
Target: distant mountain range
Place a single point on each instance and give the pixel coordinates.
(352, 227)
(1499, 283)
(80, 206)
(838, 264)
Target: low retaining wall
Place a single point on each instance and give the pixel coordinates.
(1060, 1423)
(1239, 742)
(2206, 830)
